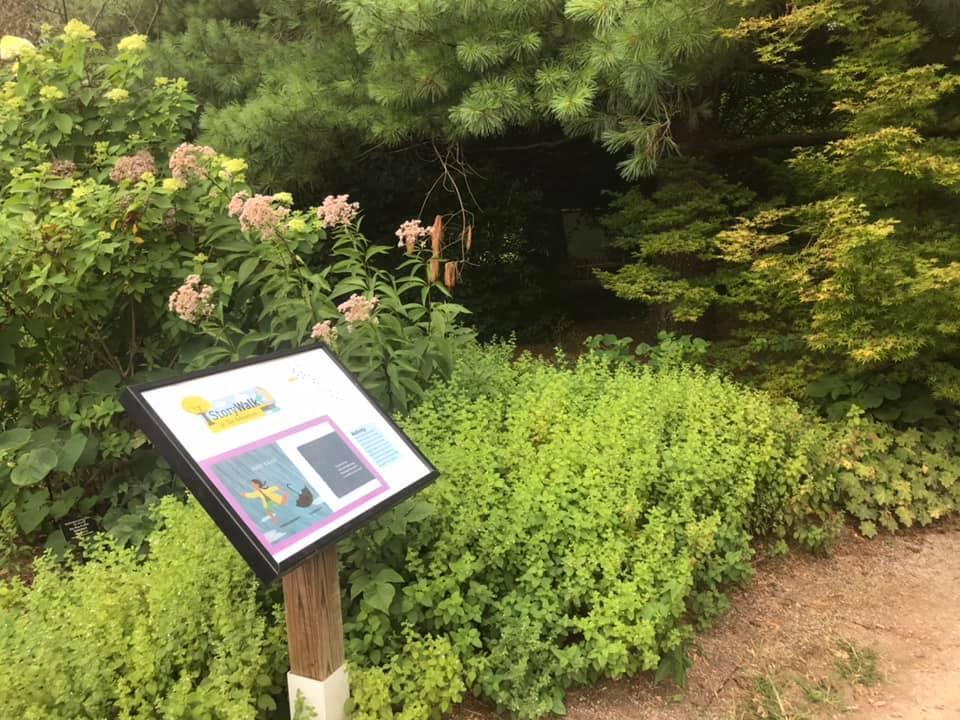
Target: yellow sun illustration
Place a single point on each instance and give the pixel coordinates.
(195, 404)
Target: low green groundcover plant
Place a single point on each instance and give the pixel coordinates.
(589, 517)
(188, 633)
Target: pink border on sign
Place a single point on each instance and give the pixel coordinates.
(207, 466)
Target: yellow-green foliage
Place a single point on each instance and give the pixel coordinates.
(587, 519)
(584, 517)
(867, 275)
(855, 269)
(422, 681)
(184, 634)
(670, 235)
(892, 479)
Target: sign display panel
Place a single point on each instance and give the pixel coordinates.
(286, 452)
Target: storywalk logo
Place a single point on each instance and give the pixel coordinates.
(231, 410)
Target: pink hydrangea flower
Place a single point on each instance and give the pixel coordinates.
(185, 161)
(409, 233)
(337, 210)
(358, 308)
(324, 331)
(191, 301)
(258, 213)
(133, 167)
(236, 204)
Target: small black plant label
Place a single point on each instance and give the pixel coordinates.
(75, 530)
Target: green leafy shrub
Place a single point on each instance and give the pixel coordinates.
(586, 515)
(87, 264)
(588, 518)
(670, 352)
(391, 331)
(120, 267)
(858, 272)
(186, 633)
(421, 682)
(669, 235)
(612, 348)
(891, 397)
(895, 479)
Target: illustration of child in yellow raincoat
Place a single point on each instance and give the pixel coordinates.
(267, 495)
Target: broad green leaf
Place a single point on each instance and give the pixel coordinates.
(32, 509)
(9, 337)
(388, 575)
(419, 509)
(89, 454)
(223, 239)
(870, 398)
(105, 382)
(65, 502)
(56, 541)
(71, 451)
(32, 467)
(246, 268)
(14, 438)
(58, 184)
(379, 595)
(44, 436)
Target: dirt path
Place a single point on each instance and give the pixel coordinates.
(872, 633)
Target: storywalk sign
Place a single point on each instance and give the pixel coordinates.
(287, 454)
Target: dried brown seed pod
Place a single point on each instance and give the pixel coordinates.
(436, 235)
(450, 274)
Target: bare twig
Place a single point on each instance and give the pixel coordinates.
(722, 685)
(110, 357)
(156, 14)
(543, 145)
(454, 173)
(96, 17)
(48, 10)
(134, 345)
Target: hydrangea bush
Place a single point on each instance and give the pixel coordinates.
(130, 254)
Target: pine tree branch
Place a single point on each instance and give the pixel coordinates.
(545, 144)
(761, 142)
(710, 148)
(53, 11)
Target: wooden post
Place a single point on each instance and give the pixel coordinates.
(311, 597)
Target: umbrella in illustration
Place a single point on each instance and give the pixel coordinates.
(304, 498)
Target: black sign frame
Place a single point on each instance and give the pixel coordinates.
(216, 506)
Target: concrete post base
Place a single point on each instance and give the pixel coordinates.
(326, 697)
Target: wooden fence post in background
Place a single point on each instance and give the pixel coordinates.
(311, 597)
